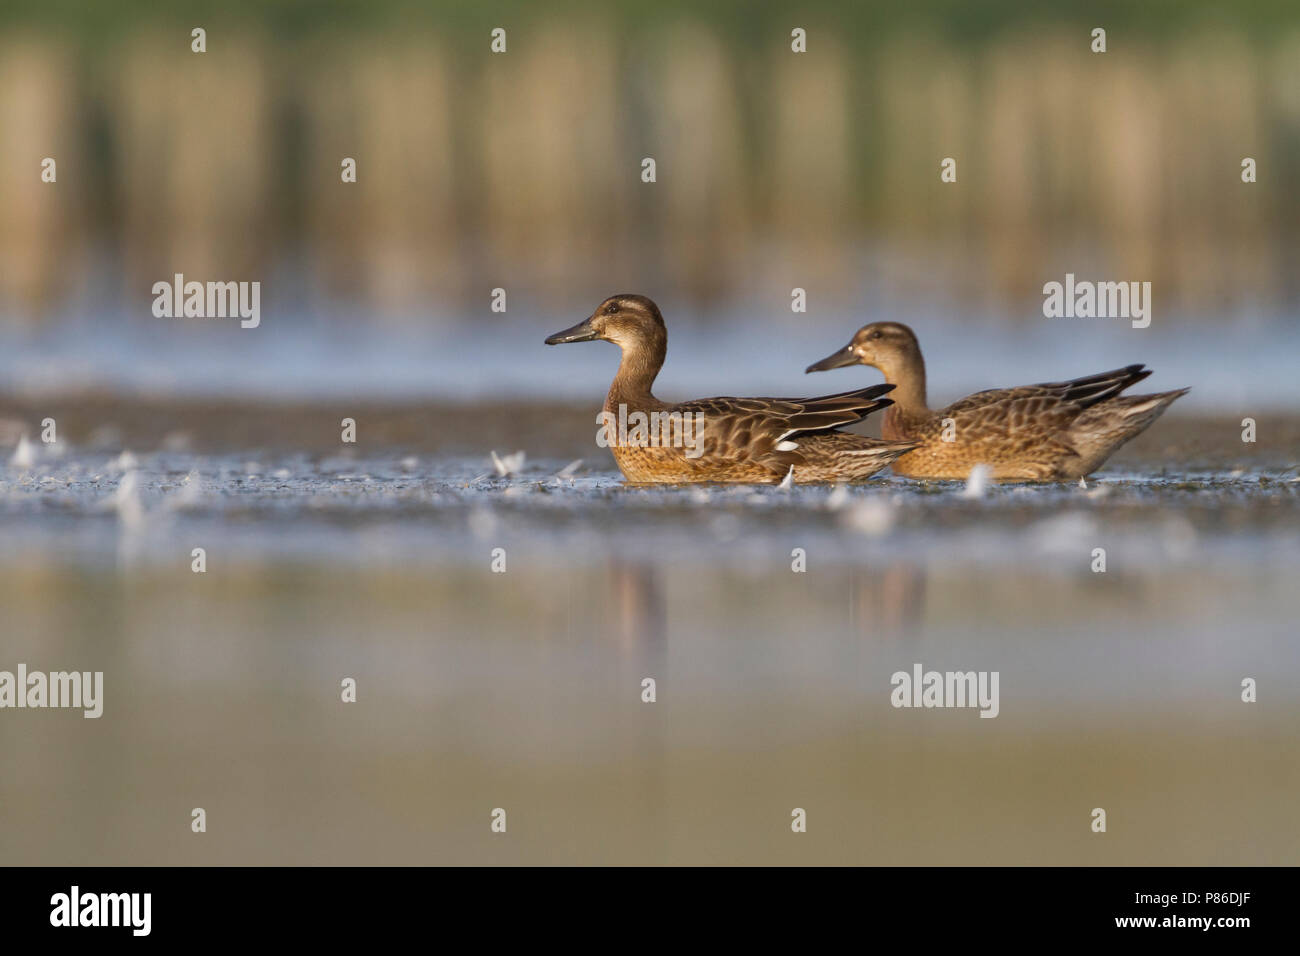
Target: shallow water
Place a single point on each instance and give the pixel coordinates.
(522, 689)
(350, 511)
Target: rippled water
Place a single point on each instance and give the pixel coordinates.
(522, 690)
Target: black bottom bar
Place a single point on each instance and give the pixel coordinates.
(977, 905)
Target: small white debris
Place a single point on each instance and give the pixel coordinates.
(788, 481)
(569, 470)
(410, 463)
(873, 517)
(977, 483)
(126, 502)
(124, 462)
(509, 465)
(838, 497)
(190, 493)
(1083, 483)
(24, 455)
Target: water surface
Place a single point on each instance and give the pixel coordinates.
(522, 689)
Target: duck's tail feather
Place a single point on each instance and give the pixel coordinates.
(1102, 429)
(1093, 389)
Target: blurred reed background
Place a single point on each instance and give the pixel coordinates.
(522, 170)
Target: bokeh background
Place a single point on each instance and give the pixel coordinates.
(522, 171)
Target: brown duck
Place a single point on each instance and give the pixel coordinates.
(721, 439)
(1056, 431)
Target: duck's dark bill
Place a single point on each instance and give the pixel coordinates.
(838, 359)
(582, 332)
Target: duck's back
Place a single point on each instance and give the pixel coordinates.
(1044, 432)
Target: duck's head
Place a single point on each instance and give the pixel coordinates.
(888, 346)
(629, 321)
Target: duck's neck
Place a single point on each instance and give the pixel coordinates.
(907, 375)
(636, 374)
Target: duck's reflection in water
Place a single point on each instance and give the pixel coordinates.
(639, 612)
(888, 604)
(640, 627)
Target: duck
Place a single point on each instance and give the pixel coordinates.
(1054, 431)
(725, 439)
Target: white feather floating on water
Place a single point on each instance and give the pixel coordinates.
(569, 470)
(788, 481)
(24, 455)
(977, 482)
(508, 465)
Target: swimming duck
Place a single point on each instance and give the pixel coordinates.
(1057, 431)
(725, 439)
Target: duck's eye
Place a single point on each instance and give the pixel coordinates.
(611, 308)
(875, 335)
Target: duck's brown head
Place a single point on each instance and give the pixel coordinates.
(888, 346)
(631, 322)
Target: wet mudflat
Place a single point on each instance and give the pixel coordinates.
(522, 688)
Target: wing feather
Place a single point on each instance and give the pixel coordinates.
(761, 429)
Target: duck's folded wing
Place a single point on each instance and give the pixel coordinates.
(1034, 418)
(1074, 395)
(766, 430)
